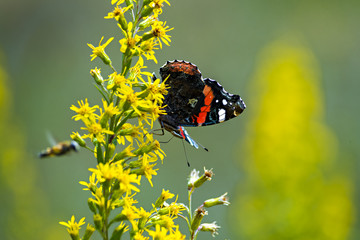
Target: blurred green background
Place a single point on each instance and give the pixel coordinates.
(289, 162)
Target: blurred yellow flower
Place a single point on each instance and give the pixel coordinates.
(293, 189)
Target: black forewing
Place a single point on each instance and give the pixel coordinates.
(183, 96)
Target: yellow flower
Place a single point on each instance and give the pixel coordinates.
(159, 233)
(153, 109)
(127, 152)
(96, 131)
(146, 168)
(118, 2)
(130, 98)
(110, 110)
(157, 5)
(158, 150)
(165, 195)
(175, 208)
(84, 111)
(154, 90)
(117, 13)
(92, 185)
(100, 51)
(116, 81)
(129, 42)
(99, 200)
(166, 222)
(148, 47)
(176, 235)
(159, 31)
(143, 214)
(135, 71)
(130, 213)
(139, 236)
(126, 179)
(129, 200)
(105, 172)
(129, 132)
(72, 226)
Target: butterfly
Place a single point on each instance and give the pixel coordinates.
(192, 101)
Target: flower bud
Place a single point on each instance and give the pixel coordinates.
(120, 217)
(118, 231)
(123, 23)
(77, 138)
(104, 120)
(92, 205)
(222, 200)
(96, 74)
(147, 22)
(129, 3)
(99, 152)
(88, 232)
(111, 150)
(147, 148)
(124, 154)
(165, 195)
(147, 11)
(195, 181)
(75, 235)
(147, 36)
(199, 215)
(210, 227)
(98, 222)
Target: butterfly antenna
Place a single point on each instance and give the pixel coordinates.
(187, 160)
(203, 147)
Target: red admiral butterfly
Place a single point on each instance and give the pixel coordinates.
(193, 101)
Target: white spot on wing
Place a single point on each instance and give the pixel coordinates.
(224, 102)
(222, 115)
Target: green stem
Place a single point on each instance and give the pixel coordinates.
(111, 66)
(106, 210)
(190, 213)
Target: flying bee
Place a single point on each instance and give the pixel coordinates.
(60, 148)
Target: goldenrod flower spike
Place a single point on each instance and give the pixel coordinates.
(124, 151)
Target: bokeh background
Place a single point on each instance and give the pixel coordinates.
(289, 162)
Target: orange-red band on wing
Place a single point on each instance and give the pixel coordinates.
(209, 96)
